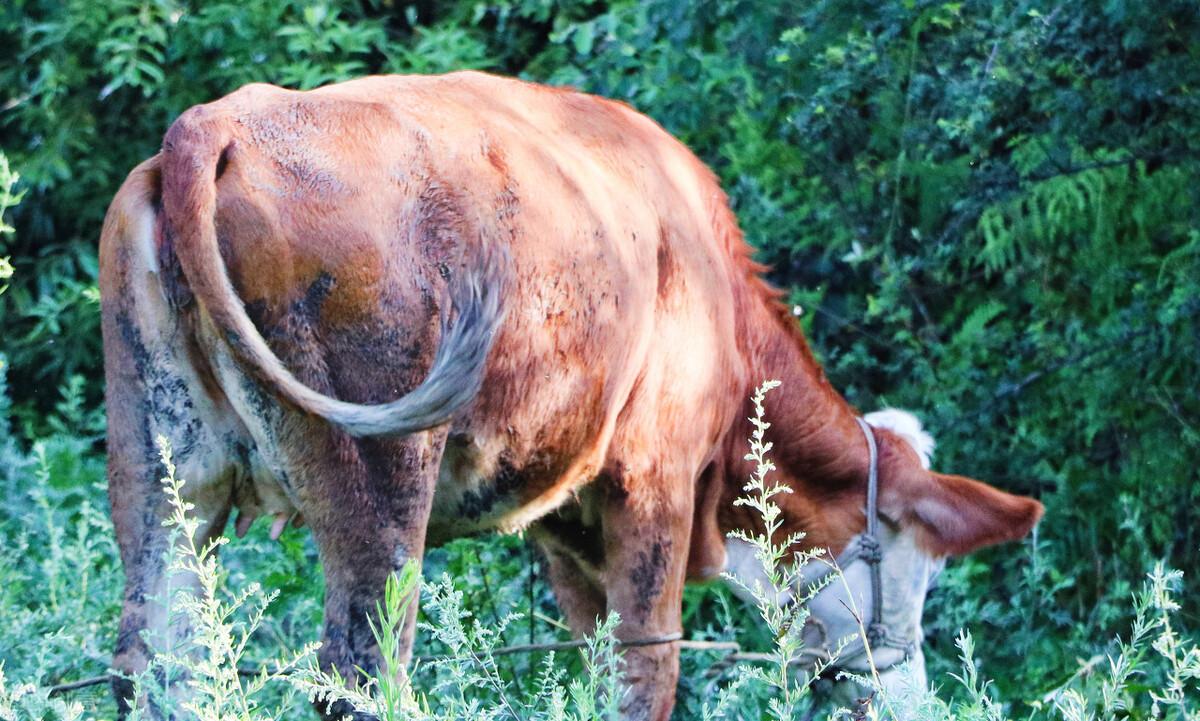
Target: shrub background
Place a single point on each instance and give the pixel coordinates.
(986, 211)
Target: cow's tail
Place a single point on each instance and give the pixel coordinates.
(192, 152)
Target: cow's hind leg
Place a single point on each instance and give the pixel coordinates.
(368, 503)
(154, 387)
(151, 394)
(574, 555)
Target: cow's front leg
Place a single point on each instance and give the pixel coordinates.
(368, 504)
(647, 521)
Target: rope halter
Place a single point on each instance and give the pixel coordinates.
(868, 548)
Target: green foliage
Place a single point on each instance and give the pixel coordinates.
(986, 211)
(8, 199)
(198, 674)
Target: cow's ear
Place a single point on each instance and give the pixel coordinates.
(953, 515)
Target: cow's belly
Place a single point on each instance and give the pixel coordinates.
(540, 428)
(486, 482)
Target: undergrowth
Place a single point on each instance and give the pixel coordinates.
(985, 210)
(59, 595)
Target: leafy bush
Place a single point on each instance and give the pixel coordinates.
(985, 211)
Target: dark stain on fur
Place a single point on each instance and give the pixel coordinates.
(166, 397)
(174, 284)
(171, 405)
(295, 337)
(648, 575)
(360, 640)
(268, 410)
(316, 295)
(480, 502)
(666, 265)
(132, 337)
(306, 309)
(261, 405)
(377, 360)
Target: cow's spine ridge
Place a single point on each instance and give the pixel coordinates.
(191, 153)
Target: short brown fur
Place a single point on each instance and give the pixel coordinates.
(336, 239)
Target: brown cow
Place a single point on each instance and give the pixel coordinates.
(412, 308)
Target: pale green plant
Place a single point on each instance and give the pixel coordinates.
(398, 596)
(8, 199)
(979, 704)
(210, 627)
(387, 694)
(597, 695)
(27, 702)
(1157, 662)
(1153, 631)
(783, 567)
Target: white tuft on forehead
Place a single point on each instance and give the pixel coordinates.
(908, 427)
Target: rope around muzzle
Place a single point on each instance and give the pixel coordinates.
(868, 549)
(876, 632)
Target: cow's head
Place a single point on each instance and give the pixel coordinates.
(924, 517)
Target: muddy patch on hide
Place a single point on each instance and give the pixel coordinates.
(305, 310)
(316, 295)
(648, 575)
(267, 415)
(166, 401)
(501, 488)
